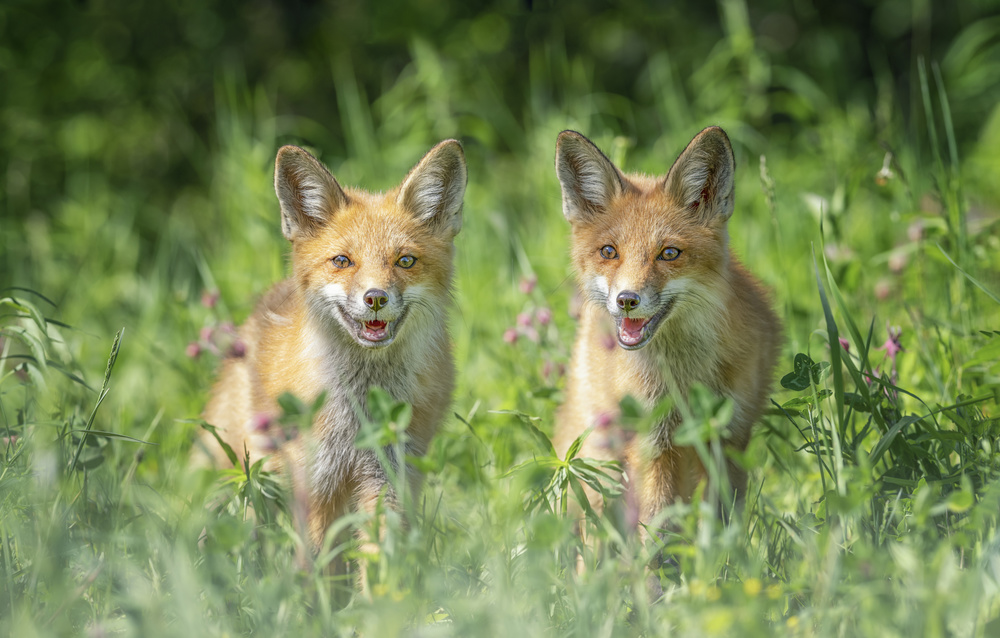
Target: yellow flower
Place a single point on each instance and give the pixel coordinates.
(752, 586)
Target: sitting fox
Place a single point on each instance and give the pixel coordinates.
(366, 305)
(666, 305)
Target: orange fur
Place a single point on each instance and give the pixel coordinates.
(654, 324)
(373, 320)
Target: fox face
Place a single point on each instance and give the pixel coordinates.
(371, 270)
(372, 265)
(648, 250)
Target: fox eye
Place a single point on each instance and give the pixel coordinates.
(341, 261)
(609, 252)
(406, 261)
(670, 253)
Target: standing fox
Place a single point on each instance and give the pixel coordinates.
(366, 305)
(659, 279)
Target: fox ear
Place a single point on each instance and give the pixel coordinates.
(434, 188)
(308, 193)
(588, 178)
(702, 177)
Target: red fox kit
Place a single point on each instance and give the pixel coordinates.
(667, 305)
(366, 305)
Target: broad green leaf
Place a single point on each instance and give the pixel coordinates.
(960, 501)
(798, 378)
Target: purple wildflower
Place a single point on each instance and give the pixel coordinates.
(261, 422)
(237, 349)
(603, 420)
(209, 298)
(552, 370)
(528, 284)
(870, 379)
(892, 346)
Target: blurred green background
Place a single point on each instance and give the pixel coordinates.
(137, 143)
(138, 137)
(122, 97)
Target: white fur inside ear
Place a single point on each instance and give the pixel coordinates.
(589, 180)
(431, 195)
(693, 182)
(702, 178)
(310, 194)
(434, 189)
(307, 192)
(592, 183)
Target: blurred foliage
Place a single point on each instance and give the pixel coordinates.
(124, 93)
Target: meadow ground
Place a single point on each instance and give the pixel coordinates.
(875, 477)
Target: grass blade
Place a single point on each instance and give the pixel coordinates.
(115, 346)
(974, 281)
(833, 337)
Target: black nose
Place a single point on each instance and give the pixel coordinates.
(628, 300)
(376, 299)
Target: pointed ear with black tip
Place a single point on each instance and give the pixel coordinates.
(308, 193)
(588, 178)
(703, 177)
(434, 188)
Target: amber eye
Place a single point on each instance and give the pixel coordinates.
(609, 252)
(406, 261)
(341, 261)
(670, 253)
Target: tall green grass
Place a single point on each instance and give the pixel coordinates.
(874, 492)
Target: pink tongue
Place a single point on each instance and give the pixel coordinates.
(374, 330)
(631, 331)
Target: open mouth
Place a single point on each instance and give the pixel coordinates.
(634, 333)
(374, 331)
(630, 331)
(371, 333)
